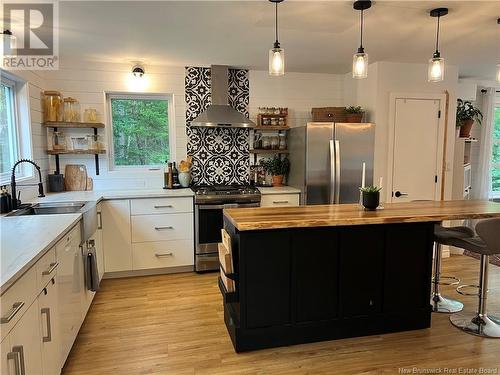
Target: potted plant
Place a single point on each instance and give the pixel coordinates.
(354, 114)
(277, 168)
(370, 197)
(466, 115)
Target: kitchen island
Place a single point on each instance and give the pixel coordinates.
(312, 273)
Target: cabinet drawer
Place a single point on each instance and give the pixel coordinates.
(46, 268)
(162, 254)
(164, 227)
(279, 200)
(16, 300)
(160, 206)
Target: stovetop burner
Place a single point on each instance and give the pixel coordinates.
(227, 193)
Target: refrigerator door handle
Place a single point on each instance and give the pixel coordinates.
(332, 194)
(337, 171)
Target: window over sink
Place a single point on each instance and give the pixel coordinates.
(142, 130)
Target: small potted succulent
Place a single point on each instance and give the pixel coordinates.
(467, 114)
(278, 168)
(370, 197)
(354, 114)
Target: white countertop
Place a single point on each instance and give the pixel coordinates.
(25, 239)
(278, 190)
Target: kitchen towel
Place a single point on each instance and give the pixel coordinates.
(91, 271)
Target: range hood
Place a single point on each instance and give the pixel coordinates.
(219, 113)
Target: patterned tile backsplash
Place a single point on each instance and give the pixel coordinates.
(220, 156)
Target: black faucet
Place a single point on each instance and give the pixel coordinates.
(13, 182)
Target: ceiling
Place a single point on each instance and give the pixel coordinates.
(318, 36)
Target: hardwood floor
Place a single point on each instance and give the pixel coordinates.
(173, 324)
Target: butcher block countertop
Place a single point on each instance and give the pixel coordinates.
(351, 214)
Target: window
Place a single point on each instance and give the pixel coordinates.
(495, 157)
(141, 130)
(8, 129)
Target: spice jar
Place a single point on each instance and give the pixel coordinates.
(274, 142)
(52, 106)
(266, 144)
(58, 141)
(90, 115)
(71, 110)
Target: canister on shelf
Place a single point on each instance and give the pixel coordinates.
(71, 110)
(58, 141)
(282, 142)
(90, 115)
(52, 106)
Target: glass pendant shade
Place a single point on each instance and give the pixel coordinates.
(8, 44)
(360, 65)
(276, 61)
(435, 72)
(498, 73)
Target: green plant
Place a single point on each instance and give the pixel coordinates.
(276, 166)
(370, 189)
(467, 111)
(353, 109)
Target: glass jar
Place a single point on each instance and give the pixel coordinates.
(71, 110)
(266, 144)
(58, 141)
(94, 142)
(90, 115)
(282, 142)
(52, 106)
(274, 142)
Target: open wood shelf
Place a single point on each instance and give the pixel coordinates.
(75, 152)
(80, 125)
(254, 151)
(264, 128)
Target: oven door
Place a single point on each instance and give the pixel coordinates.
(209, 222)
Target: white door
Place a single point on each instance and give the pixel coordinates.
(417, 151)
(49, 326)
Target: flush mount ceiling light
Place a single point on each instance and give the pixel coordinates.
(138, 71)
(436, 63)
(276, 54)
(360, 59)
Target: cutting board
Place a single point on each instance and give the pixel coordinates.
(75, 177)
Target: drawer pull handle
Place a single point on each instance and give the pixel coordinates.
(47, 338)
(51, 269)
(17, 354)
(15, 357)
(162, 228)
(164, 206)
(280, 202)
(16, 307)
(164, 255)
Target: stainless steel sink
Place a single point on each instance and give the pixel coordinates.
(51, 208)
(87, 209)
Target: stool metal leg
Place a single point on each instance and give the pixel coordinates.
(439, 303)
(480, 323)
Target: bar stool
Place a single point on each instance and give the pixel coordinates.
(444, 236)
(487, 243)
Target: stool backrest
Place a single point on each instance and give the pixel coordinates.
(489, 231)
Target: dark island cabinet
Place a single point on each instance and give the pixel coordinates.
(310, 284)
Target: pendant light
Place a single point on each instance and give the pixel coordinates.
(276, 54)
(8, 43)
(435, 72)
(360, 59)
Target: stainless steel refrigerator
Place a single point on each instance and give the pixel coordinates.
(326, 160)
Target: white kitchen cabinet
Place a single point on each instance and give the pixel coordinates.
(70, 289)
(162, 227)
(117, 241)
(24, 344)
(280, 200)
(49, 327)
(160, 206)
(162, 254)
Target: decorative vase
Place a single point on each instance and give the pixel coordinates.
(371, 200)
(465, 128)
(354, 117)
(278, 180)
(185, 179)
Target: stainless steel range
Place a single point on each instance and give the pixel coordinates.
(209, 202)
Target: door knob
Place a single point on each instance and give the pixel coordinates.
(399, 194)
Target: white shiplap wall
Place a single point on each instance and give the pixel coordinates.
(88, 84)
(35, 85)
